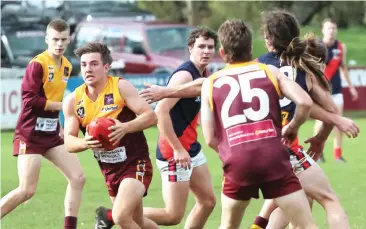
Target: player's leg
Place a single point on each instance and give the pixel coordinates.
(175, 189)
(141, 220)
(261, 221)
(69, 165)
(232, 212)
(317, 126)
(316, 185)
(29, 166)
(127, 203)
(289, 196)
(337, 143)
(202, 188)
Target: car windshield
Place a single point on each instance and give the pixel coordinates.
(27, 43)
(166, 39)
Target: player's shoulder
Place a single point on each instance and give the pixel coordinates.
(41, 58)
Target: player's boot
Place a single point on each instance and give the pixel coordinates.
(101, 219)
(341, 159)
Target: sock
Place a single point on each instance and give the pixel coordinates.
(70, 222)
(109, 215)
(259, 223)
(337, 153)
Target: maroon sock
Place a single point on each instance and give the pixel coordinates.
(261, 222)
(109, 215)
(70, 222)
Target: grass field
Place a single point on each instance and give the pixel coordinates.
(45, 209)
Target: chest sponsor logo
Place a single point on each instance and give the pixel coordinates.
(113, 156)
(336, 53)
(108, 99)
(80, 112)
(109, 108)
(250, 132)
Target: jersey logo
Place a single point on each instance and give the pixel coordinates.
(81, 112)
(66, 71)
(51, 73)
(108, 99)
(109, 108)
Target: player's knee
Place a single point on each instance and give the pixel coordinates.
(77, 180)
(122, 218)
(174, 218)
(27, 193)
(209, 203)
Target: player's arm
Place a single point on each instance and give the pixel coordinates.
(207, 118)
(291, 90)
(153, 93)
(73, 143)
(165, 124)
(145, 114)
(345, 73)
(32, 82)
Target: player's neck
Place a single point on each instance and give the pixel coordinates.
(93, 91)
(57, 59)
(200, 68)
(329, 41)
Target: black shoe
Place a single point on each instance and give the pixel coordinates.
(101, 219)
(341, 159)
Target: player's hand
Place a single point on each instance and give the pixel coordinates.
(289, 134)
(182, 158)
(152, 93)
(61, 134)
(316, 147)
(90, 142)
(354, 93)
(347, 126)
(118, 131)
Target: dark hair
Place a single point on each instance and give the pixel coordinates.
(315, 47)
(283, 31)
(204, 32)
(95, 47)
(59, 25)
(236, 40)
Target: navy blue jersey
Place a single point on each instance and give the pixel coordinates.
(334, 62)
(287, 106)
(184, 117)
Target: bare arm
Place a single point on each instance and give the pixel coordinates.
(146, 117)
(207, 118)
(345, 74)
(73, 143)
(155, 93)
(295, 93)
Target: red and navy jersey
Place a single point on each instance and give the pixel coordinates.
(244, 98)
(287, 106)
(333, 63)
(184, 116)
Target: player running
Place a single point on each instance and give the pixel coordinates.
(127, 169)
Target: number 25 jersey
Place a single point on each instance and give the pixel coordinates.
(245, 101)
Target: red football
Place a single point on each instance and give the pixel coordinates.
(98, 129)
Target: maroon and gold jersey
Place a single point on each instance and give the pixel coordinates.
(245, 101)
(133, 146)
(43, 82)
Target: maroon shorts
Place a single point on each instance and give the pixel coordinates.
(20, 147)
(140, 170)
(271, 189)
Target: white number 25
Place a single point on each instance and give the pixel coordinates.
(247, 94)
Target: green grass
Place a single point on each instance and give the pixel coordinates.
(45, 209)
(353, 38)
